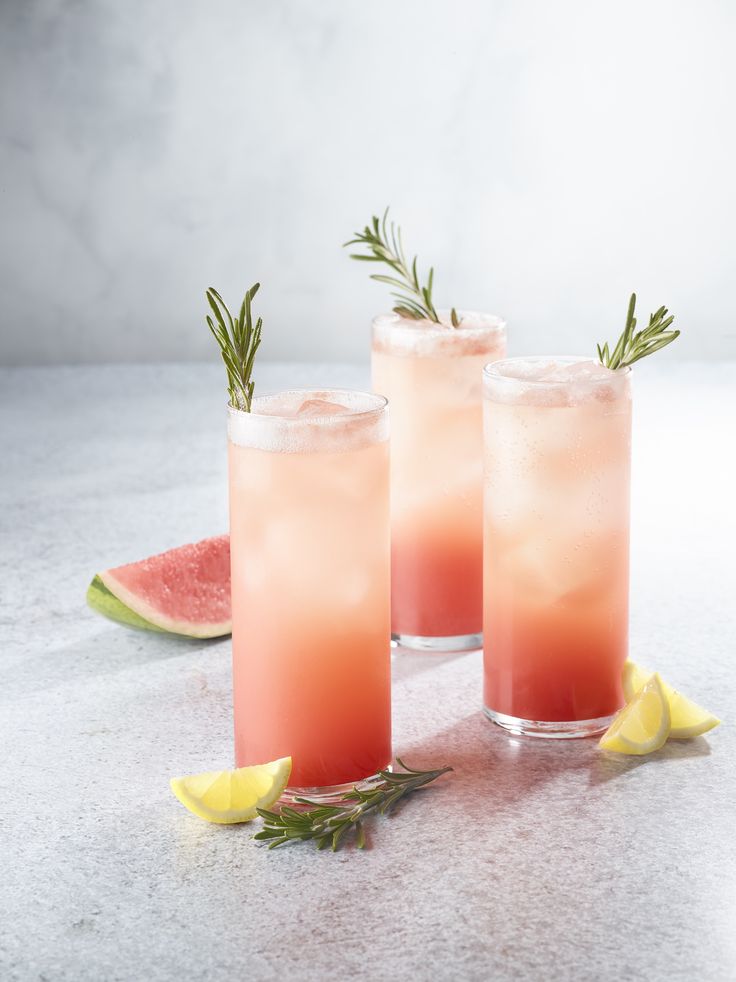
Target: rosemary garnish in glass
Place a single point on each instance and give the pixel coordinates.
(327, 824)
(238, 339)
(384, 245)
(631, 346)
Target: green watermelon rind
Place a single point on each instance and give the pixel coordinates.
(101, 600)
(163, 592)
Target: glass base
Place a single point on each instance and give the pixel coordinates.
(457, 642)
(330, 794)
(555, 730)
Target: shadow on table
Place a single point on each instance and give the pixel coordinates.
(607, 767)
(105, 653)
(488, 762)
(406, 662)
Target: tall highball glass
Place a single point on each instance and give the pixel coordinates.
(556, 581)
(309, 539)
(431, 374)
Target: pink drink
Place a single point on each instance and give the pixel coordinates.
(557, 452)
(432, 376)
(309, 540)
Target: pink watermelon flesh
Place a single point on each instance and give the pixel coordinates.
(185, 590)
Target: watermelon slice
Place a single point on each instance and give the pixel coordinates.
(183, 591)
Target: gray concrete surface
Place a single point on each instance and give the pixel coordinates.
(532, 861)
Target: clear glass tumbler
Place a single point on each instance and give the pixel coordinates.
(556, 580)
(431, 374)
(309, 541)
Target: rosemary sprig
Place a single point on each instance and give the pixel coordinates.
(238, 339)
(631, 346)
(384, 245)
(328, 824)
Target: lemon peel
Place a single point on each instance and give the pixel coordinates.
(229, 797)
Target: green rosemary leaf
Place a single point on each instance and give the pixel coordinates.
(217, 307)
(268, 815)
(654, 346)
(634, 345)
(291, 813)
(383, 244)
(211, 294)
(391, 280)
(267, 834)
(411, 313)
(238, 340)
(328, 825)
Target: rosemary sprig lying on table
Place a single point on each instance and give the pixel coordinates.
(630, 347)
(327, 824)
(385, 246)
(238, 339)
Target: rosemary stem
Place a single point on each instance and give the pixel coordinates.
(632, 346)
(383, 244)
(327, 824)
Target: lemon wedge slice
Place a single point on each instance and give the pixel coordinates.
(687, 718)
(633, 678)
(227, 797)
(643, 725)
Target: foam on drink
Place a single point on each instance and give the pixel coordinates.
(553, 382)
(477, 334)
(309, 421)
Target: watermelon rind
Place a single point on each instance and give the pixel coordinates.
(184, 591)
(103, 602)
(168, 625)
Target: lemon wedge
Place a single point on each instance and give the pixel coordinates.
(227, 797)
(643, 725)
(633, 678)
(687, 718)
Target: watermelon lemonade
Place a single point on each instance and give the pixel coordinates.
(557, 452)
(309, 537)
(431, 374)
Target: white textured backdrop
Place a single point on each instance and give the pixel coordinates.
(547, 157)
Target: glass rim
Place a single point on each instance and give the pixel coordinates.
(380, 404)
(491, 323)
(492, 372)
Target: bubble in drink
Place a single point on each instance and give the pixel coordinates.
(321, 407)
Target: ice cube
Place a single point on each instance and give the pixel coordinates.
(587, 371)
(552, 371)
(321, 407)
(522, 368)
(538, 370)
